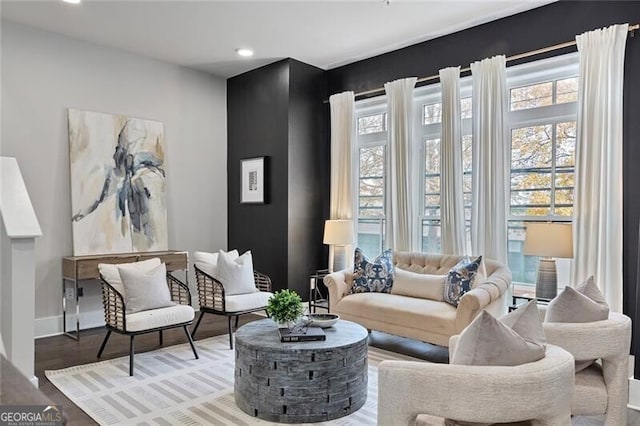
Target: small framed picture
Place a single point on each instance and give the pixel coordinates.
(252, 185)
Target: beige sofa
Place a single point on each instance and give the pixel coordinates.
(420, 318)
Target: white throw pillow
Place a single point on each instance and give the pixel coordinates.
(236, 275)
(111, 273)
(423, 286)
(145, 290)
(208, 262)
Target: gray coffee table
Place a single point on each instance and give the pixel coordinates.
(302, 381)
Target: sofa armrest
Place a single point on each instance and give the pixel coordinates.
(339, 283)
(492, 394)
(471, 304)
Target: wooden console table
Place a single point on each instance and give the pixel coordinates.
(80, 268)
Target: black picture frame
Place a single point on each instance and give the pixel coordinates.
(253, 180)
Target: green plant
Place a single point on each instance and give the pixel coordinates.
(284, 306)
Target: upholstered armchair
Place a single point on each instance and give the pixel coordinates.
(603, 387)
(411, 392)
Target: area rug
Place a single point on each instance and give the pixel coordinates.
(170, 387)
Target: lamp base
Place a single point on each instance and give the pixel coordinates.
(547, 281)
(339, 258)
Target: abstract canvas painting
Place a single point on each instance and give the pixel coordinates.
(117, 183)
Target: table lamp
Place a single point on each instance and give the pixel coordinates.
(548, 240)
(338, 233)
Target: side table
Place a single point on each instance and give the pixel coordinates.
(517, 301)
(318, 292)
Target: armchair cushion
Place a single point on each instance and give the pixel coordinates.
(145, 289)
(208, 262)
(585, 303)
(156, 318)
(247, 302)
(236, 275)
(517, 338)
(111, 272)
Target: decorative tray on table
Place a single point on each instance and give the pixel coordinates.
(323, 320)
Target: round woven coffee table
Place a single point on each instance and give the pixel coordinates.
(302, 381)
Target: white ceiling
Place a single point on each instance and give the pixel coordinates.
(205, 34)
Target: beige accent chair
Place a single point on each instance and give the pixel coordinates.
(418, 317)
(602, 388)
(421, 393)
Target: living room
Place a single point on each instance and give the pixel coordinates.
(46, 71)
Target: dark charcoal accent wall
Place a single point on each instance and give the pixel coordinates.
(277, 111)
(308, 172)
(534, 29)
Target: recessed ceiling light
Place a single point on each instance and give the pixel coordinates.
(244, 52)
(72, 1)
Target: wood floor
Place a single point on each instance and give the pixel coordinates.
(53, 353)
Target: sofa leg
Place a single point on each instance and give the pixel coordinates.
(193, 333)
(104, 343)
(237, 317)
(160, 337)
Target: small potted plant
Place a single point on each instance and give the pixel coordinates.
(285, 307)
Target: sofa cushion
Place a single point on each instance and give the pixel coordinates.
(461, 278)
(424, 286)
(401, 311)
(517, 338)
(372, 276)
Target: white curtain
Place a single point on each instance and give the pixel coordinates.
(342, 135)
(451, 168)
(598, 185)
(490, 159)
(399, 234)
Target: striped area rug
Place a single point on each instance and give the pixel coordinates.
(172, 388)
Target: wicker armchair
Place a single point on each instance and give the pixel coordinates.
(131, 324)
(213, 300)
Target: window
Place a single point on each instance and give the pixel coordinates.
(541, 128)
(371, 140)
(428, 133)
(542, 131)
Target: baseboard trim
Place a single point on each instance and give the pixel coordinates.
(52, 326)
(634, 394)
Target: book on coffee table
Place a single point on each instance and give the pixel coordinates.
(311, 334)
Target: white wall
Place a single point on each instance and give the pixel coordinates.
(42, 75)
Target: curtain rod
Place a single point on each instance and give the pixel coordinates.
(632, 29)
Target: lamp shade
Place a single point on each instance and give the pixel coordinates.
(339, 232)
(549, 239)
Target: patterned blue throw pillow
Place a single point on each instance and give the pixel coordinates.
(376, 276)
(460, 279)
